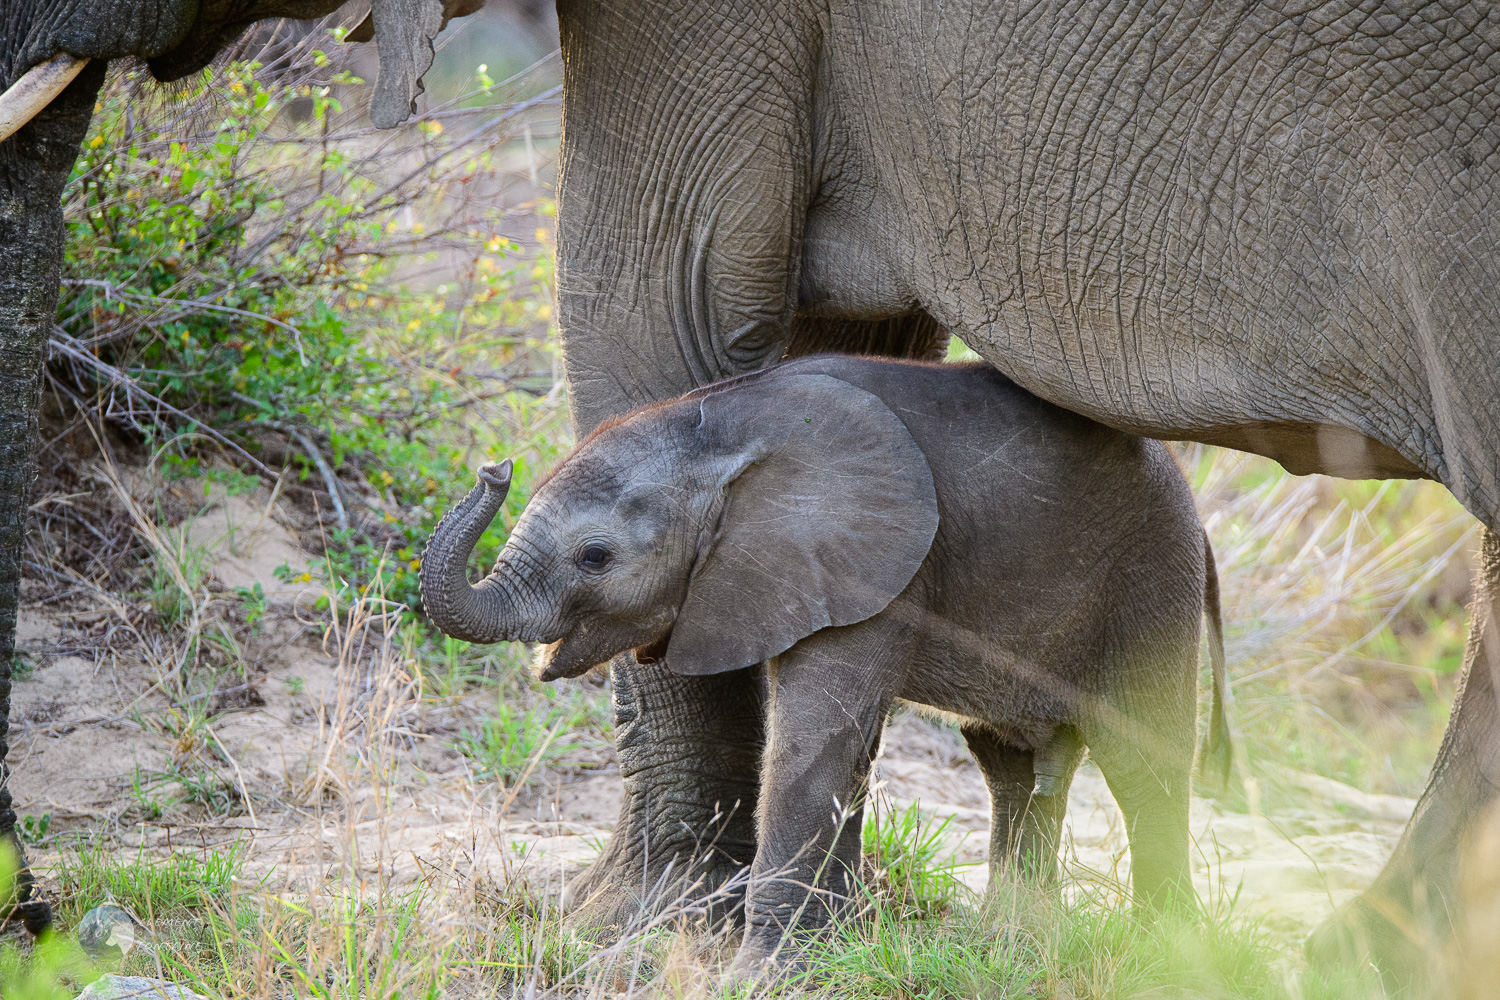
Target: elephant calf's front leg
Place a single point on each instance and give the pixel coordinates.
(826, 714)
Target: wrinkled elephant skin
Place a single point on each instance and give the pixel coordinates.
(1255, 225)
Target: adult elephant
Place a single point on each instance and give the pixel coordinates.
(1269, 225)
(52, 62)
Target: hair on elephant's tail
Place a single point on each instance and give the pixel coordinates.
(1217, 758)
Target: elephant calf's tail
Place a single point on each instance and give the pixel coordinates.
(1218, 748)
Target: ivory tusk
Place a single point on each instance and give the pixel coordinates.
(35, 90)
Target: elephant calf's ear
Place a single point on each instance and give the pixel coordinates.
(404, 30)
(825, 526)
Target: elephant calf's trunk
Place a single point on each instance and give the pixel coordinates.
(482, 613)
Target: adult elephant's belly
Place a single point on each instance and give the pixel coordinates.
(1231, 332)
(1279, 413)
(1313, 275)
(1205, 221)
(1341, 376)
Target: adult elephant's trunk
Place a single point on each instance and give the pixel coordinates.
(681, 207)
(483, 613)
(681, 211)
(34, 165)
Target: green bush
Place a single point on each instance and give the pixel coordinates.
(145, 885)
(255, 301)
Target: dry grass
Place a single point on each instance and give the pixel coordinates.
(1345, 613)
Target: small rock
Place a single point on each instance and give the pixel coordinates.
(113, 987)
(107, 930)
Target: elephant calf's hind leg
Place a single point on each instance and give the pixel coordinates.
(1150, 780)
(1028, 798)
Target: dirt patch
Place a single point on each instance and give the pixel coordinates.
(279, 755)
(246, 541)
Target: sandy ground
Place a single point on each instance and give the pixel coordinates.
(88, 736)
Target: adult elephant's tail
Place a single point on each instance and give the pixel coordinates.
(1218, 748)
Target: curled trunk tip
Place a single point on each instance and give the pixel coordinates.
(497, 474)
(482, 613)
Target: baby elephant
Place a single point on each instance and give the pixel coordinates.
(874, 530)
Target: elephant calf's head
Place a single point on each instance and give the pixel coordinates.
(596, 564)
(713, 531)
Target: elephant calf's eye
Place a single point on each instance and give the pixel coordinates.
(595, 557)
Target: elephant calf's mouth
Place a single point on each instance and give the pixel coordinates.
(654, 651)
(542, 666)
(546, 668)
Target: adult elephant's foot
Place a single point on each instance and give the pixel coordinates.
(1404, 924)
(22, 905)
(689, 751)
(1369, 933)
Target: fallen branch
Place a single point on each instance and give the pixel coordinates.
(64, 343)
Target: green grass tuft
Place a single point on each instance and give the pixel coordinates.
(143, 885)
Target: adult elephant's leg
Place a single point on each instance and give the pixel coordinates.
(689, 751)
(1400, 920)
(34, 165)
